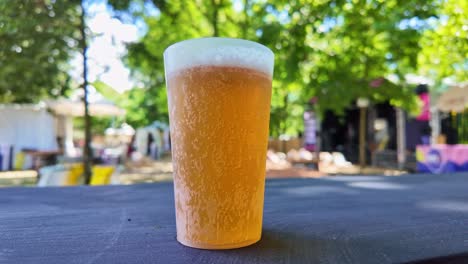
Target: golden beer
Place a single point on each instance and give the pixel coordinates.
(219, 116)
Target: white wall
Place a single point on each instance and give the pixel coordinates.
(27, 126)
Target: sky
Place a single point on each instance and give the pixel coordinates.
(106, 48)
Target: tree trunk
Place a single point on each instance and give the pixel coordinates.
(401, 138)
(362, 137)
(284, 115)
(87, 154)
(318, 139)
(214, 20)
(246, 19)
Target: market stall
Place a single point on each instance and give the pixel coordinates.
(442, 158)
(25, 130)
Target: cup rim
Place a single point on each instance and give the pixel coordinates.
(219, 41)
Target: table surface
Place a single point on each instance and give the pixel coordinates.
(353, 219)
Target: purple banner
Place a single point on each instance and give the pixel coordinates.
(442, 158)
(310, 128)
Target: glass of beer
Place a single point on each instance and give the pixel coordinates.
(219, 92)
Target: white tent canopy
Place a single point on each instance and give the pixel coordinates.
(68, 107)
(455, 99)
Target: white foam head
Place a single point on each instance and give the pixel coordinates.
(218, 52)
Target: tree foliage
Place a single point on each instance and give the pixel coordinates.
(445, 48)
(330, 50)
(37, 38)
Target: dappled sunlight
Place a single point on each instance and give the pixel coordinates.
(18, 178)
(379, 185)
(445, 206)
(318, 190)
(354, 178)
(147, 171)
(18, 174)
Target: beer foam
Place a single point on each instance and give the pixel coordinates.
(218, 52)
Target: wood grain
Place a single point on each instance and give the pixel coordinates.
(418, 218)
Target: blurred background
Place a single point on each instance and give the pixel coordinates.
(360, 86)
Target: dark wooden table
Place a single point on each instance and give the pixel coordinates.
(418, 218)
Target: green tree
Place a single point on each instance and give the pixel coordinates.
(37, 40)
(361, 41)
(445, 46)
(148, 101)
(331, 50)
